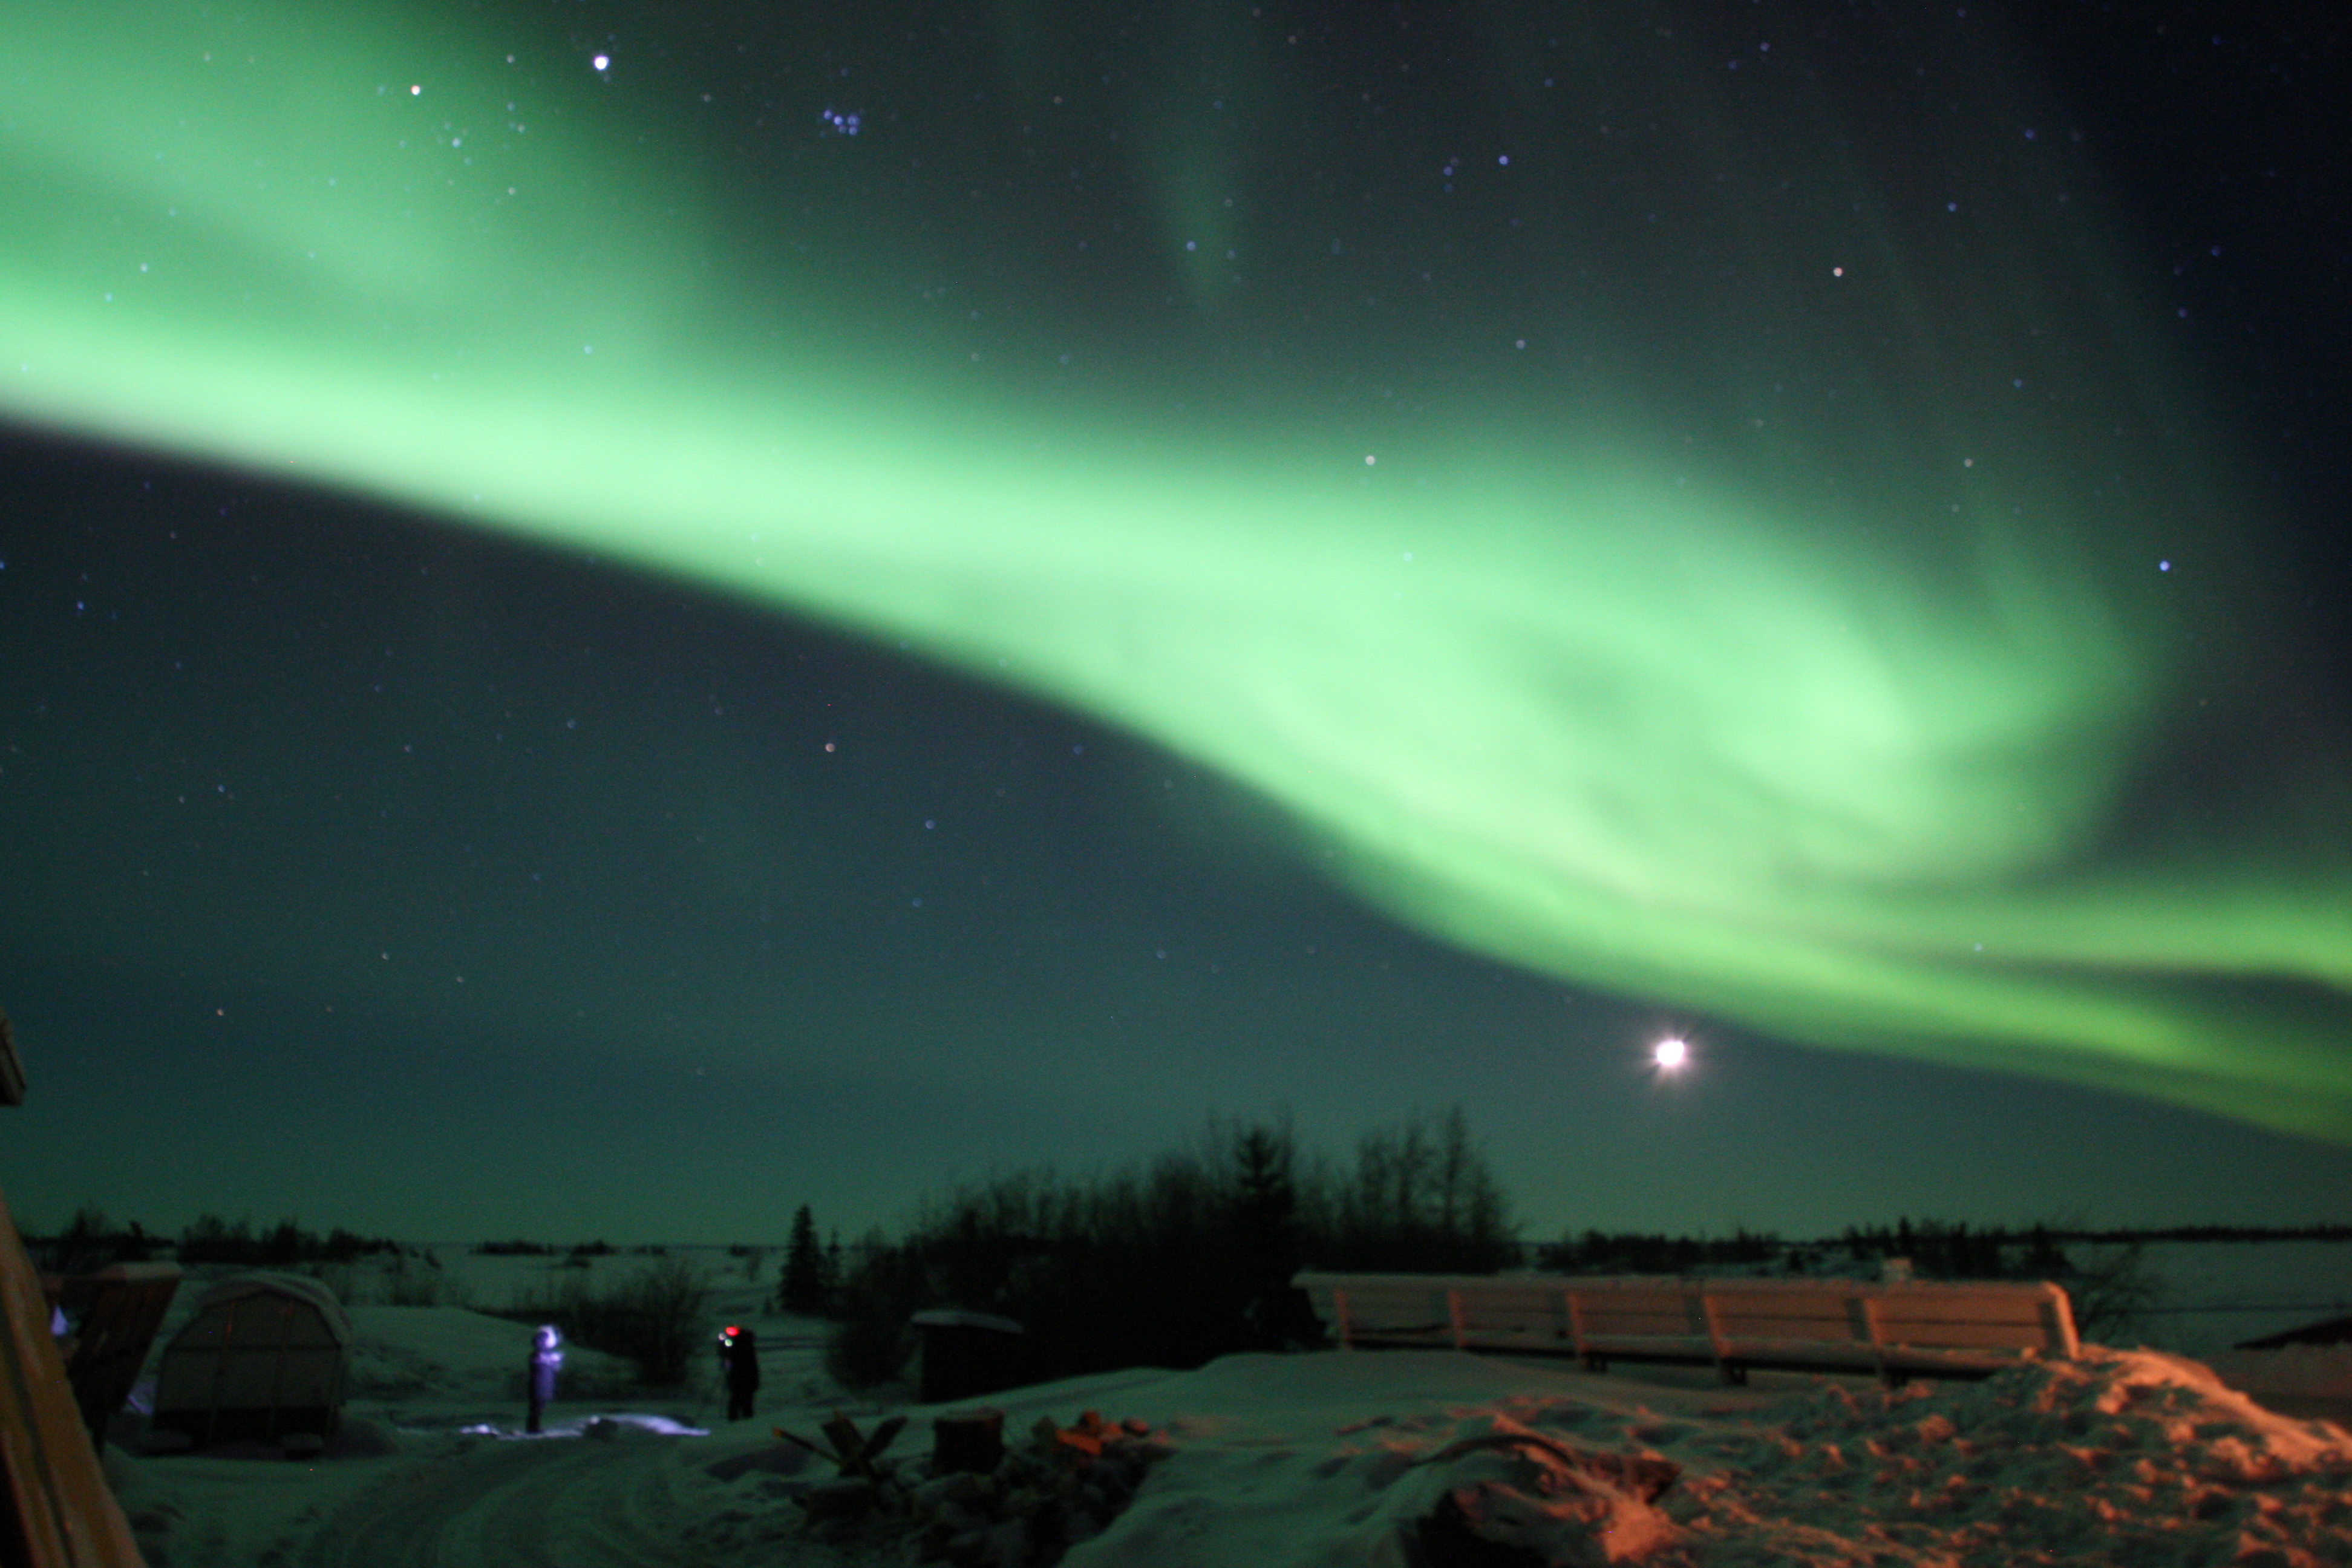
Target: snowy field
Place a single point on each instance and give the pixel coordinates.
(2219, 1294)
(1330, 1458)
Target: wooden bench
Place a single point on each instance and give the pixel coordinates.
(1898, 1329)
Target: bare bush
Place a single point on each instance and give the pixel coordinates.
(2113, 1294)
(653, 1318)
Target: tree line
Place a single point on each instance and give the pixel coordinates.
(1177, 1260)
(92, 1241)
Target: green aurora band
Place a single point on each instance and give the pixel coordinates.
(1838, 717)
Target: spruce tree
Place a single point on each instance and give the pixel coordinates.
(1268, 1235)
(806, 1288)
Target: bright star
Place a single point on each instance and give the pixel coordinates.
(1671, 1055)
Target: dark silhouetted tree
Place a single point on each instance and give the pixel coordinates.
(1269, 1237)
(807, 1284)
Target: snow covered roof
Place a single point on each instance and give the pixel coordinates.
(951, 1318)
(302, 1289)
(2331, 1331)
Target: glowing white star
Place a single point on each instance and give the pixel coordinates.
(1671, 1055)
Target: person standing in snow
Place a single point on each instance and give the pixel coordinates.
(540, 1377)
(738, 1358)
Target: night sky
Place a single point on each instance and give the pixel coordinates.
(615, 619)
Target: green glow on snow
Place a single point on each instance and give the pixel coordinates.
(1534, 682)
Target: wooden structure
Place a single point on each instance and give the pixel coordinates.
(55, 1509)
(264, 1357)
(1897, 1330)
(113, 1316)
(965, 1354)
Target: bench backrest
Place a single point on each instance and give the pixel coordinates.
(1961, 1326)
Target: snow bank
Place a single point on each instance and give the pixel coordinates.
(2123, 1458)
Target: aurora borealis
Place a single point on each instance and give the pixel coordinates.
(1725, 516)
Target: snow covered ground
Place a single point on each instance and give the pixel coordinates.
(2217, 1294)
(1328, 1458)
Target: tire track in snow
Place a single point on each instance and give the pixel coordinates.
(553, 1503)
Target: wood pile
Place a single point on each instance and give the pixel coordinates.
(977, 1501)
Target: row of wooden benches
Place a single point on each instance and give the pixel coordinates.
(1898, 1329)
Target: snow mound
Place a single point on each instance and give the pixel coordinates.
(2122, 1457)
(2129, 1457)
(1377, 1496)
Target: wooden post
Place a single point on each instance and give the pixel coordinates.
(1868, 1303)
(1339, 1318)
(1725, 1367)
(1454, 1316)
(2058, 1325)
(12, 1076)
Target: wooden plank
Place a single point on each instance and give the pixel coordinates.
(1543, 1314)
(2018, 1309)
(1814, 1322)
(1622, 1323)
(1635, 1293)
(64, 1515)
(2025, 1329)
(1664, 1319)
(1795, 1308)
(1963, 1336)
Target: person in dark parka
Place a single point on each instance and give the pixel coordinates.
(738, 1358)
(541, 1374)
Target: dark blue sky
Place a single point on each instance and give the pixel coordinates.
(370, 871)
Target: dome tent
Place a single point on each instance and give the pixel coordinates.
(264, 1357)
